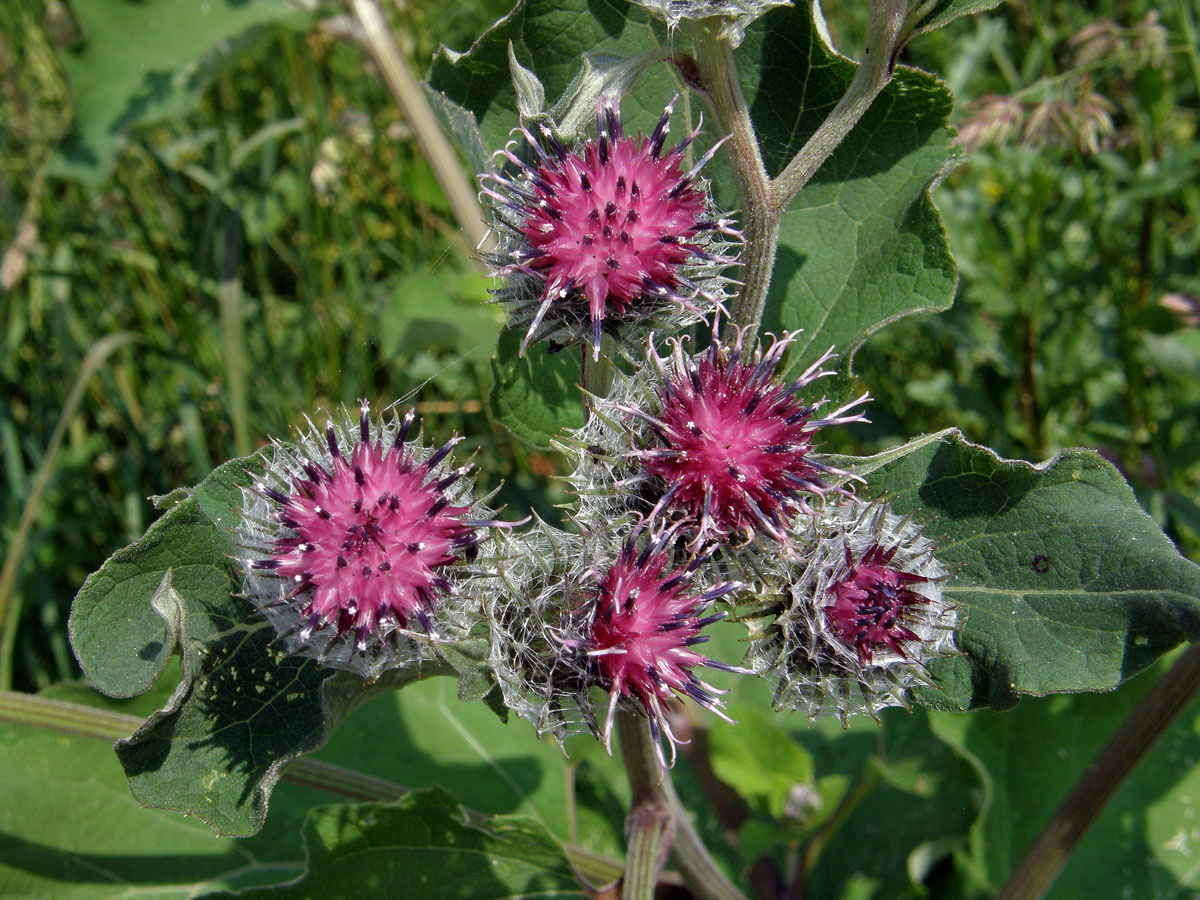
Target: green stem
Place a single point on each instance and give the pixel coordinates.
(1043, 861)
(659, 824)
(699, 870)
(596, 375)
(102, 724)
(650, 826)
(874, 72)
(95, 357)
(765, 200)
(719, 76)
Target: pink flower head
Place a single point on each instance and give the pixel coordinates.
(644, 625)
(607, 231)
(871, 604)
(359, 535)
(731, 444)
(860, 616)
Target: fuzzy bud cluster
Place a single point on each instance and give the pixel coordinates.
(699, 483)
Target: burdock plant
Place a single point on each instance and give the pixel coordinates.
(714, 536)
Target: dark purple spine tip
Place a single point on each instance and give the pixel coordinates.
(364, 422)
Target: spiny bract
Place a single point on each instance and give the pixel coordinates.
(715, 444)
(856, 624)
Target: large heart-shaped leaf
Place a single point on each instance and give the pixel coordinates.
(1063, 583)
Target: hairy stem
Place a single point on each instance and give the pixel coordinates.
(874, 72)
(1044, 861)
(765, 200)
(719, 78)
(650, 826)
(699, 870)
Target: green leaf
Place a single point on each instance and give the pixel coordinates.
(426, 845)
(425, 736)
(765, 763)
(1030, 757)
(946, 11)
(72, 831)
(910, 803)
(531, 96)
(535, 396)
(862, 245)
(242, 709)
(146, 59)
(1063, 582)
(437, 311)
(460, 124)
(574, 47)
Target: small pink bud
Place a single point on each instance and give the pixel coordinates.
(644, 625)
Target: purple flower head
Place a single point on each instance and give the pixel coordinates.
(713, 443)
(614, 230)
(644, 624)
(354, 534)
(872, 602)
(856, 623)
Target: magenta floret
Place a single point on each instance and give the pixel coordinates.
(644, 625)
(355, 537)
(732, 444)
(872, 603)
